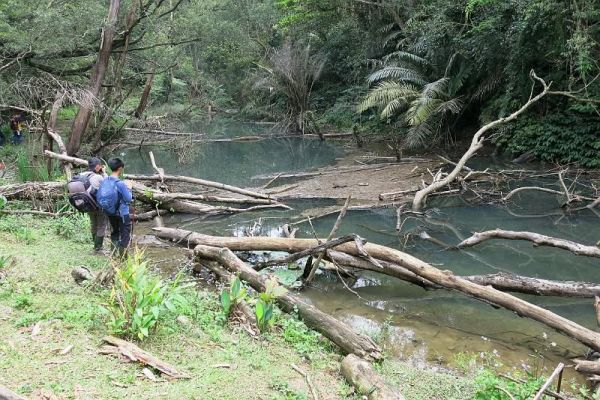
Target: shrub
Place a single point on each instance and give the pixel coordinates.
(492, 387)
(266, 303)
(139, 300)
(75, 227)
(230, 298)
(28, 172)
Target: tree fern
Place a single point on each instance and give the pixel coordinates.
(406, 89)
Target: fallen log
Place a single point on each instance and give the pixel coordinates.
(134, 353)
(418, 267)
(247, 319)
(536, 238)
(28, 190)
(366, 380)
(587, 366)
(597, 308)
(336, 331)
(157, 198)
(198, 181)
(7, 394)
(501, 281)
(158, 178)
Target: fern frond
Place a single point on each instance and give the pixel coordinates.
(398, 74)
(421, 110)
(453, 106)
(408, 57)
(386, 92)
(436, 88)
(393, 107)
(417, 136)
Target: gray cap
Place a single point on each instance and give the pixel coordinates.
(93, 162)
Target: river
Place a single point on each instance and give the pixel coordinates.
(423, 327)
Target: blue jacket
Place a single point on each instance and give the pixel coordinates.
(125, 195)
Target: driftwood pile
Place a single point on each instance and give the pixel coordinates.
(160, 200)
(344, 252)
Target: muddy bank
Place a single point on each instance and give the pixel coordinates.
(359, 174)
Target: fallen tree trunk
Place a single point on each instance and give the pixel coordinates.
(157, 198)
(245, 317)
(336, 331)
(176, 178)
(536, 238)
(198, 181)
(501, 281)
(418, 267)
(366, 380)
(28, 190)
(7, 394)
(587, 366)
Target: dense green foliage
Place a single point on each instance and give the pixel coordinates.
(139, 300)
(435, 69)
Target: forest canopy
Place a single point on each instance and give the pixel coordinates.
(415, 73)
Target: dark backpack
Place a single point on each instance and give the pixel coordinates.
(108, 196)
(80, 195)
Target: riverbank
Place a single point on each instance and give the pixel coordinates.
(51, 331)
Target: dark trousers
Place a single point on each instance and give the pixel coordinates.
(17, 138)
(98, 222)
(121, 230)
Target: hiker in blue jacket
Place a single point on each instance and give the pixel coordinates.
(114, 197)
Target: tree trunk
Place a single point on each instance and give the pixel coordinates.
(418, 267)
(85, 111)
(366, 380)
(339, 333)
(139, 111)
(536, 238)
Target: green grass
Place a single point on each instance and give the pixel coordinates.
(37, 290)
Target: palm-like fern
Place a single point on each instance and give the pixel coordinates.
(403, 87)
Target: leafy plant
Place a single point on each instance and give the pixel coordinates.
(6, 262)
(75, 227)
(266, 303)
(403, 87)
(29, 172)
(492, 387)
(233, 296)
(3, 202)
(139, 301)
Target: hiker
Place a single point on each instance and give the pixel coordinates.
(82, 195)
(16, 126)
(114, 197)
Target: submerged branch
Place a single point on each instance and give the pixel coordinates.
(536, 238)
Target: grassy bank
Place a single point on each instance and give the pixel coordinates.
(42, 312)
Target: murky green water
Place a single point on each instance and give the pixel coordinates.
(419, 325)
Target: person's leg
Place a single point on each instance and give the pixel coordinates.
(101, 223)
(93, 223)
(125, 233)
(115, 230)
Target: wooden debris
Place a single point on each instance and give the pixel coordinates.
(360, 374)
(134, 353)
(420, 268)
(556, 373)
(335, 330)
(536, 238)
(7, 394)
(311, 387)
